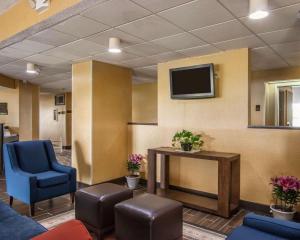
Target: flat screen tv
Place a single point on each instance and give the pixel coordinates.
(192, 82)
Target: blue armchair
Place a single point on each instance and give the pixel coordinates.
(265, 228)
(33, 173)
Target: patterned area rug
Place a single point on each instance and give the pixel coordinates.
(190, 232)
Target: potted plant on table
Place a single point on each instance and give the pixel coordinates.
(187, 140)
(286, 193)
(133, 165)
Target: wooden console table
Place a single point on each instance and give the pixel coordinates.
(228, 198)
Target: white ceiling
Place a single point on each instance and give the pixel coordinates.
(154, 31)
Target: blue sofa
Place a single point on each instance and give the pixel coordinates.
(17, 227)
(33, 173)
(256, 227)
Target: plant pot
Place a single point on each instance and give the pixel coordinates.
(133, 181)
(279, 214)
(186, 146)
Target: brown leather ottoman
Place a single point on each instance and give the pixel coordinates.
(94, 206)
(148, 217)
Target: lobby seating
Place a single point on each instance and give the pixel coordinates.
(95, 206)
(17, 227)
(265, 228)
(33, 173)
(148, 217)
(71, 230)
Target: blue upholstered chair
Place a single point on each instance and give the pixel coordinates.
(256, 227)
(33, 173)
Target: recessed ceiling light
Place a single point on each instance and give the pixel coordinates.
(258, 9)
(32, 68)
(114, 45)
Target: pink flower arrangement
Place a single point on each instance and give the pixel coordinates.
(286, 192)
(134, 163)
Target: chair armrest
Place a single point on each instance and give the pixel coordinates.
(22, 185)
(62, 168)
(68, 170)
(282, 228)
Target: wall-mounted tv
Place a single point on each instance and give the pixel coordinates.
(192, 82)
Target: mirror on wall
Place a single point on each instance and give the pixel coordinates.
(275, 103)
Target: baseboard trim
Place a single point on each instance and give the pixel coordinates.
(67, 147)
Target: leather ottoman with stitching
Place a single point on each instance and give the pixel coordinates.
(94, 206)
(148, 217)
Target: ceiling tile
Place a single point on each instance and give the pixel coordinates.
(265, 58)
(80, 26)
(114, 57)
(59, 52)
(45, 59)
(145, 49)
(148, 71)
(53, 37)
(246, 42)
(64, 85)
(103, 38)
(141, 80)
(83, 48)
(138, 62)
(286, 49)
(15, 53)
(179, 41)
(281, 36)
(5, 60)
(240, 8)
(159, 5)
(32, 46)
(197, 51)
(197, 14)
(293, 59)
(116, 12)
(150, 28)
(278, 19)
(222, 32)
(164, 57)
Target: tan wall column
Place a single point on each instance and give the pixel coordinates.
(101, 110)
(29, 111)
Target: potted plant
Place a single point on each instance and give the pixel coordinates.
(286, 193)
(133, 165)
(187, 140)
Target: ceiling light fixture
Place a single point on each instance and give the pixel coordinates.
(258, 9)
(114, 45)
(32, 68)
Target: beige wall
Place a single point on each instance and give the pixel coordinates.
(101, 111)
(21, 16)
(111, 114)
(50, 128)
(144, 103)
(29, 111)
(223, 122)
(11, 97)
(68, 119)
(258, 80)
(82, 121)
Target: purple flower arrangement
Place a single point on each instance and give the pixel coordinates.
(286, 192)
(134, 163)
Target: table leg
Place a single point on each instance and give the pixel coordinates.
(224, 188)
(164, 172)
(151, 182)
(235, 183)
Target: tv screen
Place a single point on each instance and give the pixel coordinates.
(192, 82)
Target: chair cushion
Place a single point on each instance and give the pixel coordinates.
(71, 230)
(247, 233)
(32, 156)
(51, 178)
